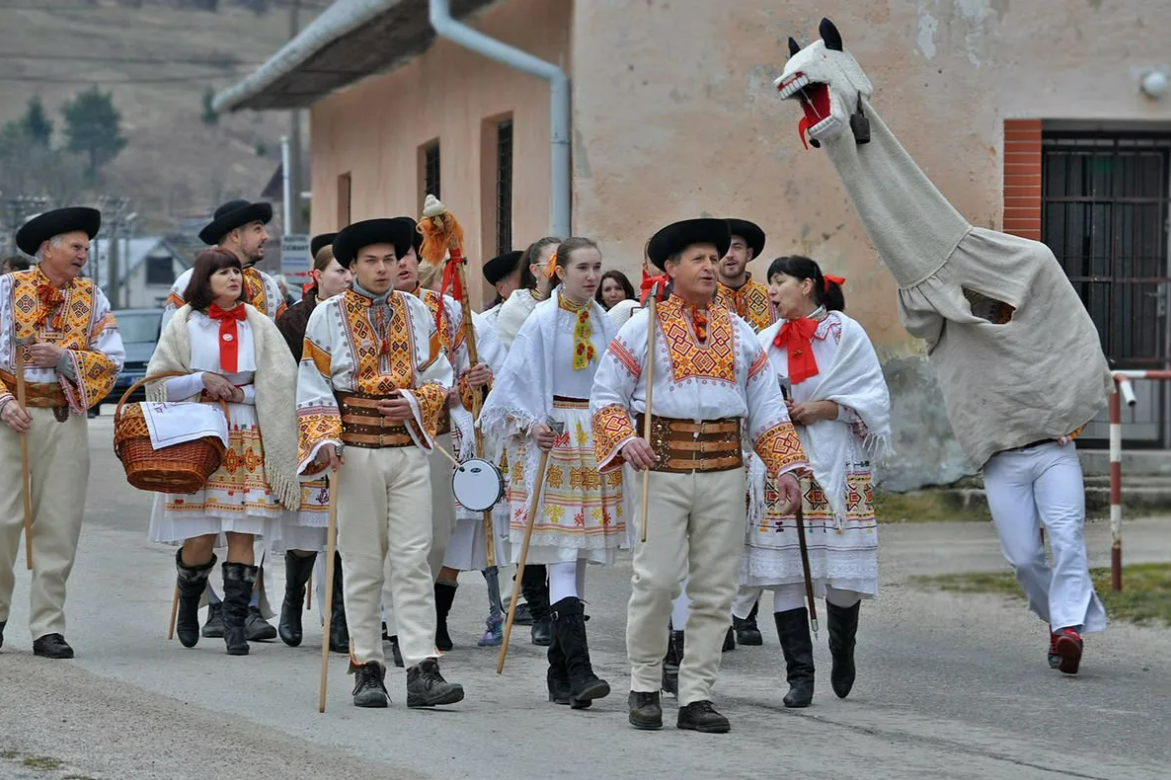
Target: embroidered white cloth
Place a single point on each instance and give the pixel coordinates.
(170, 424)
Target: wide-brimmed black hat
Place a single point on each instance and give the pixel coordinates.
(679, 235)
(42, 227)
(416, 236)
(232, 215)
(320, 242)
(350, 240)
(501, 266)
(750, 232)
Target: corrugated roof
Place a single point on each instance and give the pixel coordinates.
(350, 40)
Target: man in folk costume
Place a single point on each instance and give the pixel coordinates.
(368, 380)
(736, 290)
(710, 378)
(503, 273)
(239, 227)
(71, 354)
(1019, 361)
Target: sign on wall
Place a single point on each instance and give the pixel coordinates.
(295, 259)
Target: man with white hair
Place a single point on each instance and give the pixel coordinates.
(58, 328)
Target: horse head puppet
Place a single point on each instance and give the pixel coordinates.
(830, 85)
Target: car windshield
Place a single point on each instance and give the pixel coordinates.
(138, 326)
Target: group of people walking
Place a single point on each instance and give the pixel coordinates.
(750, 412)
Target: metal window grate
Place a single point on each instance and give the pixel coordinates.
(1104, 201)
(431, 171)
(504, 187)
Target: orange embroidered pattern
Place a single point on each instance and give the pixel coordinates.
(432, 399)
(375, 372)
(611, 427)
(714, 359)
(779, 447)
(448, 338)
(751, 302)
(316, 424)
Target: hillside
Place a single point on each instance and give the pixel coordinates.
(157, 58)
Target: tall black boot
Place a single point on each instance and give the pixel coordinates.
(557, 677)
(298, 569)
(797, 645)
(444, 596)
(191, 581)
(339, 632)
(747, 632)
(535, 587)
(671, 662)
(843, 627)
(238, 581)
(570, 632)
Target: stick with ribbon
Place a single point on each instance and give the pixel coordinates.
(443, 237)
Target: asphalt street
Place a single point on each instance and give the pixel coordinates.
(949, 686)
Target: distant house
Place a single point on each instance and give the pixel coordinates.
(147, 267)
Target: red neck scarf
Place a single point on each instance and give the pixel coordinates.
(699, 322)
(51, 300)
(229, 335)
(796, 336)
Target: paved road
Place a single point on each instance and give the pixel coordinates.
(950, 686)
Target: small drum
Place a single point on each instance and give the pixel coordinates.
(477, 484)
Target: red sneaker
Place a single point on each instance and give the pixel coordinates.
(1054, 656)
(1068, 644)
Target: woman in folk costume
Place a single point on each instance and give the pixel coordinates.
(841, 407)
(543, 394)
(229, 352)
(303, 535)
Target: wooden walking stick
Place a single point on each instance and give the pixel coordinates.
(443, 237)
(174, 614)
(805, 564)
(327, 606)
(534, 502)
(646, 421)
(25, 484)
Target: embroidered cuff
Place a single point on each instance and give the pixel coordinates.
(613, 428)
(316, 426)
(780, 449)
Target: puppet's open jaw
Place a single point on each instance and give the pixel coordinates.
(820, 121)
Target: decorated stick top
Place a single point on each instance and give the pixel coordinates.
(441, 232)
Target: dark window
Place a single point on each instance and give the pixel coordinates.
(504, 187)
(344, 186)
(431, 171)
(160, 271)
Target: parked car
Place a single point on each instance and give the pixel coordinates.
(140, 330)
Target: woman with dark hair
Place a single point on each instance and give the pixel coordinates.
(227, 352)
(615, 287)
(545, 385)
(536, 279)
(838, 400)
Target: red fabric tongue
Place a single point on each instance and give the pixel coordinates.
(802, 128)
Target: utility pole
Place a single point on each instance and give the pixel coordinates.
(293, 166)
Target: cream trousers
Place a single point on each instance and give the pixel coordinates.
(696, 530)
(59, 467)
(384, 519)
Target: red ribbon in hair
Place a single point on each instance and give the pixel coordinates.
(795, 336)
(831, 279)
(229, 335)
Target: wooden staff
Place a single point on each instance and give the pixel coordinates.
(327, 607)
(174, 614)
(646, 417)
(805, 564)
(534, 502)
(25, 485)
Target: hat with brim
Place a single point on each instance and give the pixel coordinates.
(501, 266)
(45, 226)
(350, 240)
(750, 232)
(234, 214)
(320, 242)
(679, 235)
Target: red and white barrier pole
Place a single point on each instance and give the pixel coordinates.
(1116, 483)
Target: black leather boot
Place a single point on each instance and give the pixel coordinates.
(557, 676)
(298, 569)
(427, 688)
(570, 632)
(370, 685)
(339, 632)
(535, 586)
(702, 716)
(191, 581)
(238, 581)
(747, 632)
(797, 645)
(729, 640)
(3, 624)
(444, 596)
(214, 627)
(671, 662)
(645, 710)
(843, 627)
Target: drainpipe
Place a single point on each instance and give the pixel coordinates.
(459, 33)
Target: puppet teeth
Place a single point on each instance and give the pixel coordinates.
(795, 86)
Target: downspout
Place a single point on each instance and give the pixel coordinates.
(459, 33)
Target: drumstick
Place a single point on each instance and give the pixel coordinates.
(26, 487)
(646, 424)
(805, 565)
(327, 607)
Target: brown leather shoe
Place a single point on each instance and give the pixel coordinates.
(646, 713)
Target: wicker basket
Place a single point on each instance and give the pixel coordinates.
(180, 468)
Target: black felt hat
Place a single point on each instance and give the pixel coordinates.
(499, 267)
(679, 235)
(350, 240)
(232, 215)
(42, 227)
(750, 232)
(416, 236)
(320, 242)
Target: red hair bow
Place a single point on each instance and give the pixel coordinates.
(831, 279)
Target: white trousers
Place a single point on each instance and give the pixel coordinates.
(59, 467)
(1037, 486)
(696, 531)
(384, 519)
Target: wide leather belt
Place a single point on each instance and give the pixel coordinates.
(364, 426)
(685, 446)
(38, 395)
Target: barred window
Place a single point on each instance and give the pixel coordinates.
(431, 171)
(504, 187)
